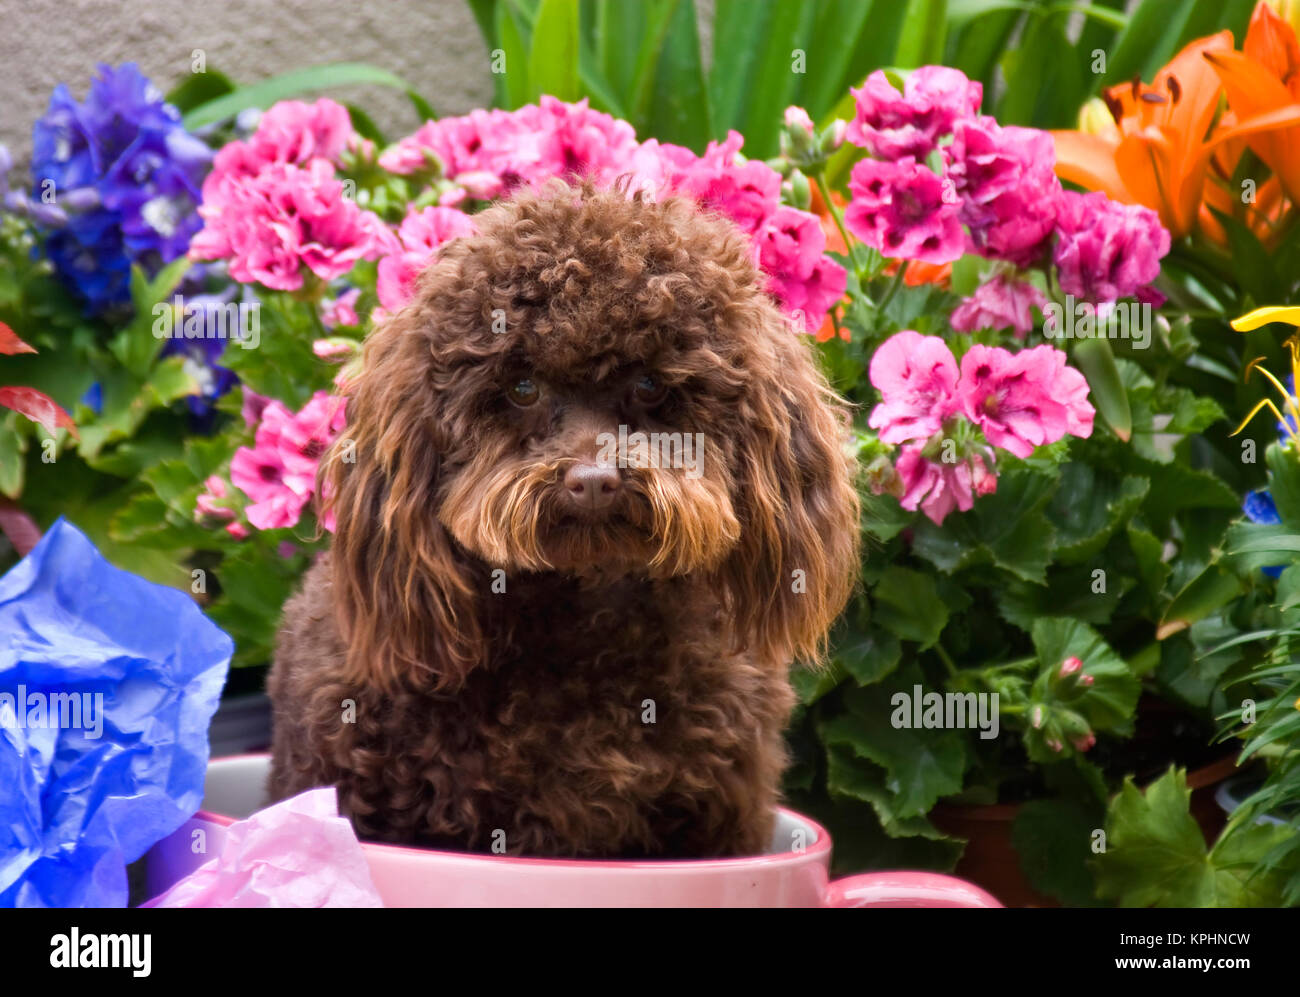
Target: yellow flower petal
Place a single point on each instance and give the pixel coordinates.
(1263, 316)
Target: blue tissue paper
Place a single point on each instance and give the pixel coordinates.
(108, 684)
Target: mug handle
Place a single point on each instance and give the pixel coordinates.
(905, 889)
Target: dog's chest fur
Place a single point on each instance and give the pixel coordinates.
(601, 724)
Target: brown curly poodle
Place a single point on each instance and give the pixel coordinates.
(593, 499)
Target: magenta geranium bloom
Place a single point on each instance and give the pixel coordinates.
(917, 379)
(893, 125)
(1000, 303)
(903, 210)
(1106, 250)
(421, 233)
(937, 488)
(1023, 400)
(792, 251)
(1008, 187)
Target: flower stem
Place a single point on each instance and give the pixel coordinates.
(893, 287)
(835, 216)
(946, 658)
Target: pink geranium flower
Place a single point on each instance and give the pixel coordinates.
(271, 225)
(917, 379)
(1106, 250)
(295, 132)
(304, 439)
(792, 248)
(279, 471)
(937, 488)
(1023, 400)
(341, 310)
(1008, 188)
(902, 209)
(746, 192)
(1001, 303)
(893, 125)
(420, 235)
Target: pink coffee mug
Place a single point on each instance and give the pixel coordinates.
(794, 873)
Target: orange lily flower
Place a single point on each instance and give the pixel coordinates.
(1265, 77)
(1155, 153)
(1166, 136)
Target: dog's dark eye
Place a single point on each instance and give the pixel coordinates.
(649, 390)
(525, 393)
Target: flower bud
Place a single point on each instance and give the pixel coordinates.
(882, 478)
(833, 136)
(1095, 118)
(796, 191)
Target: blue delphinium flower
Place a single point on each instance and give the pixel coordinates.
(1259, 507)
(202, 353)
(125, 175)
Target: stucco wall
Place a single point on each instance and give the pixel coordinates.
(433, 44)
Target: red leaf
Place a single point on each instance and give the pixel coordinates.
(10, 343)
(39, 407)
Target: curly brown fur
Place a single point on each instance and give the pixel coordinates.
(527, 711)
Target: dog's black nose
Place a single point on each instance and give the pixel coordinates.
(592, 487)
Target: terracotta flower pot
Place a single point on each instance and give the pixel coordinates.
(992, 862)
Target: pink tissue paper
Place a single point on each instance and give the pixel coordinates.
(297, 853)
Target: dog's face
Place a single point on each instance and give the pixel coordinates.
(598, 386)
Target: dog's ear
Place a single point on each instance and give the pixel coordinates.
(797, 560)
(403, 591)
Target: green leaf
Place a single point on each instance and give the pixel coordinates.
(199, 88)
(1097, 362)
(1149, 552)
(1044, 74)
(921, 765)
(12, 464)
(553, 66)
(680, 110)
(773, 59)
(1069, 591)
(844, 31)
(422, 107)
(1155, 853)
(365, 125)
(1149, 41)
(924, 32)
(1007, 528)
(850, 775)
(908, 605)
(136, 345)
(1252, 265)
(811, 684)
(1053, 839)
(292, 84)
(868, 655)
(1284, 485)
(1208, 591)
(1089, 506)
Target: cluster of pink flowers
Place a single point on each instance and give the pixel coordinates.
(1018, 401)
(420, 234)
(277, 473)
(996, 195)
(487, 153)
(273, 205)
